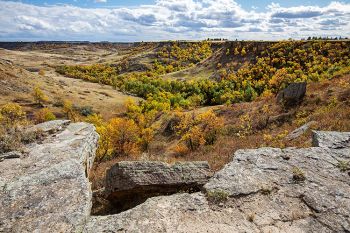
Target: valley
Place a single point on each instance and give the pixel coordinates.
(181, 101)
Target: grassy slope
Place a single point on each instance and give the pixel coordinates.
(17, 84)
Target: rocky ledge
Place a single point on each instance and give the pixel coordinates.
(47, 190)
(261, 190)
(130, 183)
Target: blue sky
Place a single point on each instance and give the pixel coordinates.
(153, 20)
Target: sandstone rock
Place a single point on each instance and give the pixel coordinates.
(331, 139)
(263, 180)
(50, 127)
(131, 183)
(300, 131)
(48, 189)
(263, 196)
(292, 95)
(130, 175)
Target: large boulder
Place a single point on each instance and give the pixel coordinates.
(292, 95)
(131, 183)
(48, 190)
(261, 190)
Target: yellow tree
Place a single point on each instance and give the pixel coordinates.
(103, 149)
(68, 109)
(39, 96)
(147, 135)
(123, 135)
(194, 138)
(211, 126)
(12, 114)
(243, 52)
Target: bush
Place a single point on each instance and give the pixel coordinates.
(42, 72)
(39, 96)
(12, 114)
(199, 130)
(43, 115)
(86, 111)
(10, 139)
(217, 196)
(123, 135)
(69, 110)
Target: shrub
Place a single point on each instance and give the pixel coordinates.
(69, 110)
(298, 174)
(10, 139)
(86, 110)
(43, 115)
(194, 138)
(217, 196)
(12, 114)
(343, 166)
(180, 150)
(123, 135)
(147, 135)
(41, 72)
(39, 96)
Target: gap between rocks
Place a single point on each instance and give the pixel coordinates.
(128, 184)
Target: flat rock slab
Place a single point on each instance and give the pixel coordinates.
(127, 175)
(48, 189)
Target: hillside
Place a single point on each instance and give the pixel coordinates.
(19, 75)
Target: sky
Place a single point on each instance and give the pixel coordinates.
(156, 20)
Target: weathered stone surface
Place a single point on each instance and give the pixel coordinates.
(48, 190)
(300, 131)
(131, 183)
(331, 139)
(130, 175)
(292, 95)
(262, 195)
(51, 127)
(322, 199)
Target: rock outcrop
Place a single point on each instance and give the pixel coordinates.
(48, 190)
(292, 95)
(261, 190)
(130, 183)
(265, 190)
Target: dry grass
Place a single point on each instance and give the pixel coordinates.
(17, 85)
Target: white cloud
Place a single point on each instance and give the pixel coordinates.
(171, 19)
(101, 1)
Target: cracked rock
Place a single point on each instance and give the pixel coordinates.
(48, 189)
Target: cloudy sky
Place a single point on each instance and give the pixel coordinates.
(154, 20)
